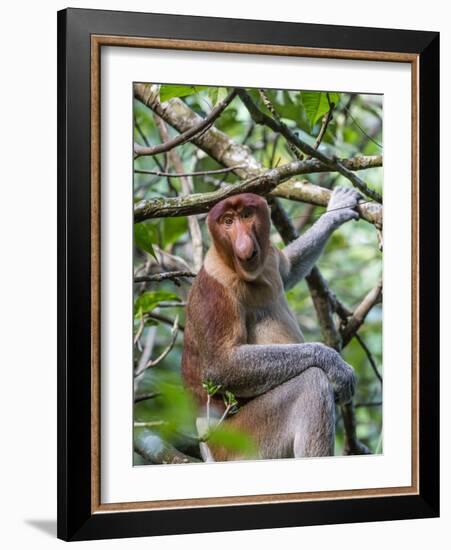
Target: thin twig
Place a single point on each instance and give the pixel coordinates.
(348, 111)
(163, 319)
(188, 174)
(268, 103)
(141, 133)
(165, 352)
(146, 396)
(145, 355)
(139, 331)
(187, 189)
(324, 124)
(353, 323)
(369, 356)
(149, 424)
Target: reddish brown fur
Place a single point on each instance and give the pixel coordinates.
(216, 319)
(214, 325)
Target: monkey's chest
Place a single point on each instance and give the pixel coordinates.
(273, 324)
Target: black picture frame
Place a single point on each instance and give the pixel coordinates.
(76, 520)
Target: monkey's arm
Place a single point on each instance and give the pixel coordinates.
(300, 256)
(250, 370)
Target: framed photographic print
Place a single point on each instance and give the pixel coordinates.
(248, 274)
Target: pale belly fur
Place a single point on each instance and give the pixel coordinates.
(274, 324)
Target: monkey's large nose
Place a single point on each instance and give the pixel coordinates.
(244, 247)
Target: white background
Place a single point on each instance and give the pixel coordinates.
(28, 274)
(119, 481)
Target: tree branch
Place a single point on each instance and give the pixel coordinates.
(201, 202)
(306, 192)
(163, 319)
(268, 103)
(227, 152)
(164, 353)
(146, 396)
(155, 449)
(353, 323)
(187, 189)
(164, 276)
(213, 142)
(268, 182)
(369, 356)
(140, 150)
(188, 174)
(324, 124)
(261, 118)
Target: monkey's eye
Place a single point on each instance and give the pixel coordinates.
(246, 214)
(228, 220)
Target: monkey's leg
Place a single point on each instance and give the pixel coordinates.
(313, 416)
(294, 419)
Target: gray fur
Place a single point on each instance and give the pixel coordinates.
(253, 370)
(303, 253)
(295, 419)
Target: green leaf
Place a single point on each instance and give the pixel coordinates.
(232, 439)
(177, 409)
(145, 234)
(213, 95)
(216, 95)
(316, 104)
(211, 388)
(148, 301)
(168, 91)
(172, 229)
(229, 399)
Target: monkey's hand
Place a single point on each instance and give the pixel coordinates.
(342, 378)
(342, 205)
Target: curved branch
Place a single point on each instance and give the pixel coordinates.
(202, 202)
(140, 150)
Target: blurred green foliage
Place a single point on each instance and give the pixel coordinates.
(351, 263)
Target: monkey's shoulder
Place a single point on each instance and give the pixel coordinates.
(213, 314)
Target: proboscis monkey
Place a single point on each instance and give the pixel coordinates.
(240, 332)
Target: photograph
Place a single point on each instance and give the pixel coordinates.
(248, 257)
(257, 273)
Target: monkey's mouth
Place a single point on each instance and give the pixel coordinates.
(251, 263)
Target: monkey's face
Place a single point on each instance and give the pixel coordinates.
(240, 230)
